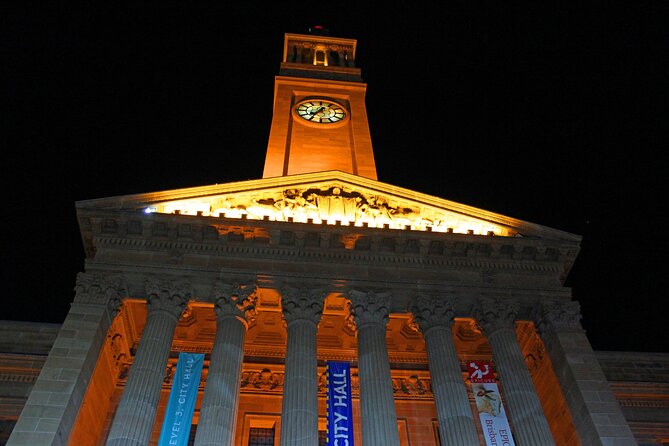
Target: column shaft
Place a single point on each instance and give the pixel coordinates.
(299, 410)
(530, 426)
(456, 424)
(136, 412)
(379, 419)
(218, 414)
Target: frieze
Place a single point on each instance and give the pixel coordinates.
(267, 380)
(316, 204)
(343, 251)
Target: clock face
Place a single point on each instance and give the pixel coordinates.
(320, 111)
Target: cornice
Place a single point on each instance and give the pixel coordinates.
(285, 241)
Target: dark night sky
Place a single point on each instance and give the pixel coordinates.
(551, 114)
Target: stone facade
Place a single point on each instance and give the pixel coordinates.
(639, 381)
(317, 261)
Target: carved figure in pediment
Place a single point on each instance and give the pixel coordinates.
(264, 207)
(223, 206)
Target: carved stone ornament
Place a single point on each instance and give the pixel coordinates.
(167, 295)
(534, 359)
(430, 312)
(101, 290)
(330, 203)
(369, 307)
(496, 314)
(561, 315)
(302, 303)
(236, 300)
(412, 386)
(263, 379)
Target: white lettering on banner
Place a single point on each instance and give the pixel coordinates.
(489, 405)
(340, 427)
(179, 412)
(340, 390)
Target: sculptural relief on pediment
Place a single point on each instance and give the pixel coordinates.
(332, 204)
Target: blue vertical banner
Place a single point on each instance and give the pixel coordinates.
(181, 405)
(339, 404)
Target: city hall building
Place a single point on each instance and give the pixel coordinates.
(319, 261)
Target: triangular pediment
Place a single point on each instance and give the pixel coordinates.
(331, 197)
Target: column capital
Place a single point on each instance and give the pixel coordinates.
(494, 314)
(100, 289)
(432, 311)
(369, 307)
(236, 300)
(561, 315)
(167, 295)
(302, 303)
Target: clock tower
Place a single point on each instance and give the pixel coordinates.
(319, 121)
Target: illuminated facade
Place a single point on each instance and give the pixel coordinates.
(318, 261)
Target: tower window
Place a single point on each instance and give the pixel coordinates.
(320, 58)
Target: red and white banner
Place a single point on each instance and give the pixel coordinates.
(489, 405)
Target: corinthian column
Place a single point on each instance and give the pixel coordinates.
(302, 310)
(60, 388)
(379, 420)
(137, 410)
(530, 426)
(456, 424)
(596, 413)
(235, 307)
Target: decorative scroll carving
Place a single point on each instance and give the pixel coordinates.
(169, 372)
(100, 289)
(535, 357)
(237, 300)
(302, 303)
(411, 386)
(496, 314)
(167, 295)
(561, 315)
(119, 352)
(370, 307)
(263, 379)
(430, 312)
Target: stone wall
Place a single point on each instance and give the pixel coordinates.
(640, 383)
(24, 347)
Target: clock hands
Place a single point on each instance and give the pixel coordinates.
(320, 112)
